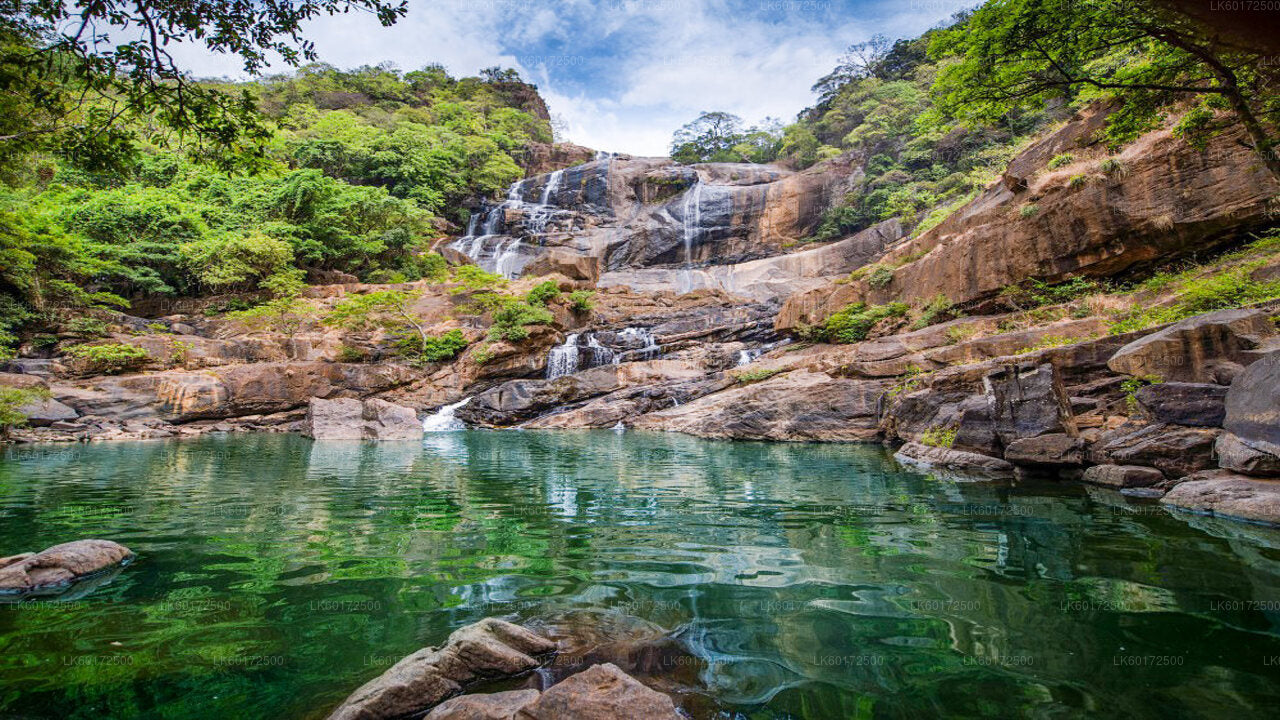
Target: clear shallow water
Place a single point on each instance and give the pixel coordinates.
(815, 581)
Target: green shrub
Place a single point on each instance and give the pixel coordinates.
(910, 380)
(1112, 166)
(482, 354)
(350, 354)
(1132, 385)
(511, 321)
(543, 293)
(1077, 181)
(880, 277)
(1062, 160)
(941, 437)
(87, 326)
(749, 376)
(852, 323)
(111, 358)
(939, 308)
(443, 347)
(473, 278)
(11, 401)
(580, 301)
(1028, 211)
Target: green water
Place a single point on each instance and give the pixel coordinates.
(811, 581)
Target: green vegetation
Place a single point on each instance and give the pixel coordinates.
(1038, 293)
(1051, 341)
(745, 377)
(580, 301)
(110, 358)
(720, 137)
(911, 380)
(942, 437)
(543, 293)
(1131, 386)
(511, 321)
(938, 309)
(854, 322)
(444, 347)
(11, 402)
(880, 276)
(1028, 211)
(1058, 161)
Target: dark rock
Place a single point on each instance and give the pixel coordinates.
(1253, 405)
(1174, 450)
(1224, 493)
(921, 455)
(1026, 401)
(491, 706)
(1196, 404)
(61, 565)
(1123, 476)
(488, 649)
(1142, 493)
(1243, 456)
(1050, 449)
(601, 692)
(1200, 349)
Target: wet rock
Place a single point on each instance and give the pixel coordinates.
(921, 455)
(490, 706)
(1050, 449)
(601, 692)
(1196, 350)
(1174, 450)
(488, 649)
(1224, 493)
(1026, 400)
(1253, 406)
(1123, 476)
(1246, 456)
(61, 565)
(1196, 404)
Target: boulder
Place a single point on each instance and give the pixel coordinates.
(920, 455)
(490, 706)
(1199, 349)
(46, 411)
(1026, 400)
(488, 649)
(387, 421)
(1243, 456)
(601, 692)
(1174, 450)
(339, 419)
(1123, 476)
(1253, 406)
(1050, 449)
(60, 565)
(1195, 404)
(1224, 493)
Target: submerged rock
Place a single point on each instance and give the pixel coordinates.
(488, 649)
(1224, 493)
(60, 565)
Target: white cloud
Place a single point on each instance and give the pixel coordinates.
(666, 60)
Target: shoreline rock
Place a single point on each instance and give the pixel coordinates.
(61, 566)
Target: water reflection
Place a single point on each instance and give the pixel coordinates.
(275, 575)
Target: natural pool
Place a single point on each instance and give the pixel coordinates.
(816, 581)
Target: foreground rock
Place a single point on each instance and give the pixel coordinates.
(60, 565)
(351, 419)
(488, 649)
(601, 692)
(1226, 494)
(1253, 418)
(1123, 476)
(926, 456)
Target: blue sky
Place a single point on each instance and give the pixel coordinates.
(624, 74)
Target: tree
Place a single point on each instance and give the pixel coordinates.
(388, 309)
(708, 138)
(75, 70)
(1015, 54)
(859, 61)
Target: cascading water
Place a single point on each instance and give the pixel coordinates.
(746, 357)
(489, 242)
(691, 217)
(444, 420)
(579, 352)
(649, 348)
(541, 213)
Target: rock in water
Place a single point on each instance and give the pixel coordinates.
(339, 419)
(1026, 401)
(492, 706)
(1123, 476)
(486, 650)
(918, 454)
(387, 421)
(1224, 493)
(601, 692)
(60, 565)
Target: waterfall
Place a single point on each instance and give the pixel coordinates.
(691, 217)
(649, 350)
(563, 359)
(443, 420)
(745, 357)
(540, 214)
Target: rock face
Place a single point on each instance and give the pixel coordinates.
(1202, 349)
(351, 419)
(1026, 401)
(60, 565)
(1253, 406)
(1049, 449)
(797, 406)
(1245, 456)
(488, 649)
(1167, 202)
(1221, 492)
(601, 692)
(491, 706)
(46, 412)
(1197, 404)
(1175, 451)
(948, 459)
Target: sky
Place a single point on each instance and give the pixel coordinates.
(623, 75)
